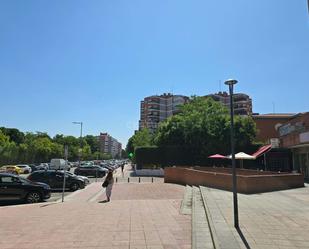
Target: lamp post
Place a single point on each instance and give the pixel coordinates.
(81, 141)
(231, 83)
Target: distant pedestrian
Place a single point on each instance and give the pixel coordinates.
(108, 183)
(122, 167)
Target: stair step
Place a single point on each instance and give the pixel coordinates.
(222, 233)
(186, 204)
(201, 235)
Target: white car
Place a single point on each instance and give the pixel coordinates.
(26, 169)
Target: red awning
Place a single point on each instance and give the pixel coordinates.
(262, 150)
(218, 156)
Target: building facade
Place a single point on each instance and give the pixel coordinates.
(109, 145)
(157, 108)
(267, 125)
(242, 102)
(294, 135)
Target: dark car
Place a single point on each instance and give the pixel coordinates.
(16, 188)
(90, 170)
(54, 179)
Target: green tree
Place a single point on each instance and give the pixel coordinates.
(93, 142)
(8, 150)
(139, 139)
(203, 127)
(14, 134)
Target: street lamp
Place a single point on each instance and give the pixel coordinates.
(231, 83)
(81, 140)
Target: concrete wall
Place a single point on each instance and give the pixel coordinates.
(246, 184)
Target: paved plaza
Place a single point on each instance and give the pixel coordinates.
(269, 220)
(153, 216)
(151, 220)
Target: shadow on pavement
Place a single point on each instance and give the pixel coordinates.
(105, 201)
(243, 238)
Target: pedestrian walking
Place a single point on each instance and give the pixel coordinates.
(108, 183)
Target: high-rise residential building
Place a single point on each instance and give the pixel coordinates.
(157, 108)
(242, 102)
(109, 145)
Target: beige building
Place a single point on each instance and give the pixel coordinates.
(157, 108)
(242, 102)
(109, 145)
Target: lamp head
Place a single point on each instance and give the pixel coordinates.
(230, 82)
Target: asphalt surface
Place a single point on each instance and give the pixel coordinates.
(55, 195)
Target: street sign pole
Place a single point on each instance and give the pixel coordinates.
(65, 167)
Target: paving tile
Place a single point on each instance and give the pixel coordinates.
(147, 217)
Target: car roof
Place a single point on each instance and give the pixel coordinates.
(7, 174)
(49, 171)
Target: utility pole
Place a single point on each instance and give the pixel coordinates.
(80, 142)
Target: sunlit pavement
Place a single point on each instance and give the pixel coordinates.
(270, 220)
(139, 216)
(146, 216)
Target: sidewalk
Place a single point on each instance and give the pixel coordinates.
(270, 220)
(140, 216)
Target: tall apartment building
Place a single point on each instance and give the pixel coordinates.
(157, 108)
(109, 145)
(242, 102)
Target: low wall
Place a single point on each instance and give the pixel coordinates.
(149, 172)
(222, 179)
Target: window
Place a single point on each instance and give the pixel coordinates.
(8, 179)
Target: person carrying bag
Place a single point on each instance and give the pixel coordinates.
(108, 184)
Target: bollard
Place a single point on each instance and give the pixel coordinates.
(128, 179)
(152, 179)
(139, 179)
(116, 179)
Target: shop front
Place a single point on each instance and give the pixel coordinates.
(295, 136)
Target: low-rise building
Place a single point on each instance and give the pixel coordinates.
(268, 124)
(294, 134)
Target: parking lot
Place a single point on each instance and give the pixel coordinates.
(56, 193)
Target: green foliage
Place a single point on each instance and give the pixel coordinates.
(93, 142)
(162, 156)
(148, 155)
(203, 127)
(124, 154)
(13, 134)
(139, 139)
(18, 147)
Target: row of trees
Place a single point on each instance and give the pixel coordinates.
(201, 128)
(18, 147)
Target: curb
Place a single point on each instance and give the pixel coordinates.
(211, 226)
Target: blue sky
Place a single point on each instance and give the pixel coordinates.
(95, 60)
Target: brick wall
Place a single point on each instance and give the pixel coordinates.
(246, 183)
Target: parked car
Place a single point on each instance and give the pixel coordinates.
(16, 188)
(84, 178)
(11, 169)
(42, 166)
(59, 164)
(33, 167)
(90, 170)
(26, 169)
(54, 178)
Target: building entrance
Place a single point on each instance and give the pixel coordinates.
(304, 164)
